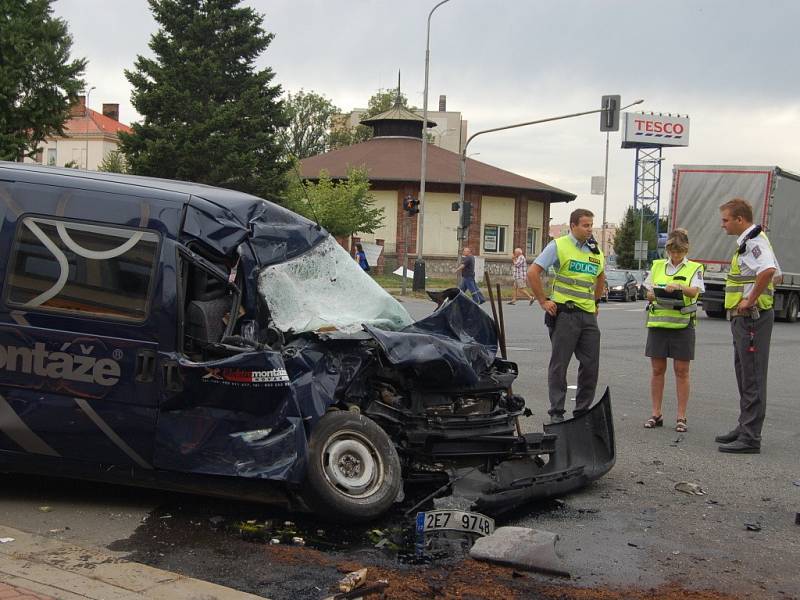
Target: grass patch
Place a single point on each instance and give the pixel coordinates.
(395, 282)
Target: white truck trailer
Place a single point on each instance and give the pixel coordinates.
(698, 191)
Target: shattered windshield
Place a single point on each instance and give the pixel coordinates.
(325, 288)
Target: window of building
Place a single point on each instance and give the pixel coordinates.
(71, 267)
(494, 238)
(51, 157)
(530, 241)
(79, 157)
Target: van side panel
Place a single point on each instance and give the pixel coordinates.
(76, 383)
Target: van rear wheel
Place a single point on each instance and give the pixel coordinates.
(354, 472)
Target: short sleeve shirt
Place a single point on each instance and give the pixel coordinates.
(549, 256)
(469, 266)
(520, 268)
(757, 257)
(696, 282)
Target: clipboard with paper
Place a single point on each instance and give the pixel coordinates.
(673, 299)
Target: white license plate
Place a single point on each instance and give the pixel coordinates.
(454, 520)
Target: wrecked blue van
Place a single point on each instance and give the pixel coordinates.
(185, 337)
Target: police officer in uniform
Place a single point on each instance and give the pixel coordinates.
(671, 318)
(749, 294)
(571, 310)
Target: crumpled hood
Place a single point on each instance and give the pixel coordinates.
(454, 345)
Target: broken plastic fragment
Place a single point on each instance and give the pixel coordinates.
(692, 489)
(352, 580)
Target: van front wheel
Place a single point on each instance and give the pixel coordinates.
(354, 472)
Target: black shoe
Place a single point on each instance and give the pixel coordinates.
(727, 438)
(740, 447)
(556, 419)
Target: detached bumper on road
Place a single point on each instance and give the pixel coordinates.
(573, 454)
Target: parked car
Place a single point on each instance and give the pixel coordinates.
(622, 286)
(640, 277)
(186, 337)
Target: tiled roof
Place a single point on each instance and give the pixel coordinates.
(398, 159)
(93, 123)
(397, 113)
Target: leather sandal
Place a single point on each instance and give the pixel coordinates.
(680, 426)
(654, 421)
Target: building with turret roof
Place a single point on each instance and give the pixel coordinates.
(507, 210)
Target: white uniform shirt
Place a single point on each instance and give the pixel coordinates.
(697, 278)
(757, 257)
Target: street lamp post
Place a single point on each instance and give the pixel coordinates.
(419, 264)
(605, 184)
(461, 233)
(86, 110)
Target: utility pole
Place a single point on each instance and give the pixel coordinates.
(419, 264)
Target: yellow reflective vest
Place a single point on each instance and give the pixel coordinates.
(577, 275)
(735, 282)
(673, 317)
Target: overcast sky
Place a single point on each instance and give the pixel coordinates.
(731, 65)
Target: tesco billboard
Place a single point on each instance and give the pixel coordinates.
(640, 129)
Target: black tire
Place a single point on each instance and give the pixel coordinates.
(791, 309)
(626, 297)
(354, 472)
(716, 314)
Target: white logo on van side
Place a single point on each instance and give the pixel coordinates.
(60, 365)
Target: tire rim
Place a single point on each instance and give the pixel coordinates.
(352, 465)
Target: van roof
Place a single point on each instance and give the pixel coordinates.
(220, 218)
(217, 195)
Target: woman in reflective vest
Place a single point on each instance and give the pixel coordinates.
(673, 287)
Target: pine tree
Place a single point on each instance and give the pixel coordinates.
(38, 81)
(628, 233)
(209, 115)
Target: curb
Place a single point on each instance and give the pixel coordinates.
(67, 572)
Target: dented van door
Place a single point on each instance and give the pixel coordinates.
(77, 352)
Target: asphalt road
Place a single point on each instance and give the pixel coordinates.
(631, 528)
(645, 532)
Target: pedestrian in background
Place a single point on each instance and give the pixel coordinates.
(671, 324)
(361, 258)
(467, 283)
(571, 311)
(519, 270)
(749, 297)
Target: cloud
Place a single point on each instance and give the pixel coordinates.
(729, 64)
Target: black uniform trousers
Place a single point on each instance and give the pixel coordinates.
(751, 339)
(575, 332)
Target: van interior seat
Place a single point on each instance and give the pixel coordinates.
(204, 320)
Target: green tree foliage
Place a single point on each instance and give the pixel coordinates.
(379, 103)
(38, 80)
(383, 100)
(342, 207)
(113, 162)
(628, 233)
(209, 116)
(310, 123)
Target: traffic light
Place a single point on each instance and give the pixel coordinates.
(411, 205)
(466, 215)
(609, 117)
